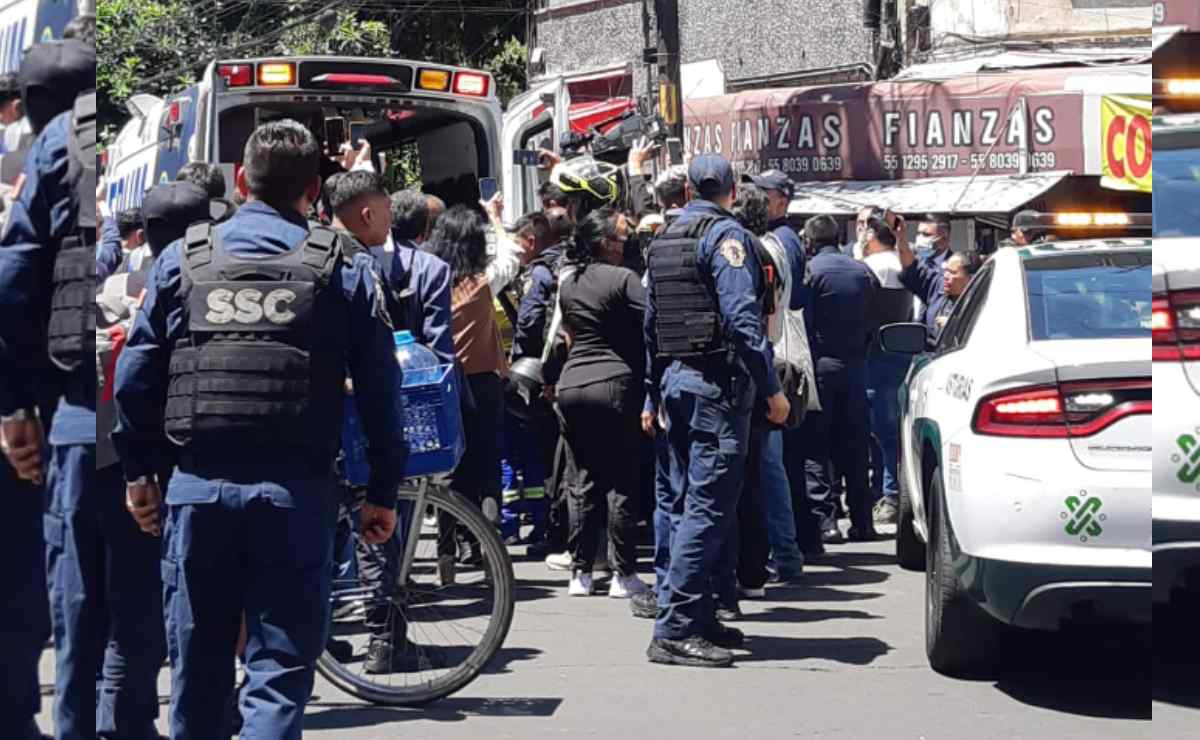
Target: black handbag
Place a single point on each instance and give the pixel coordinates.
(794, 385)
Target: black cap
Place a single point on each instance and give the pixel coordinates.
(1026, 220)
(52, 75)
(773, 180)
(710, 174)
(169, 208)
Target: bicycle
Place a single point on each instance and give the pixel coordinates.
(454, 615)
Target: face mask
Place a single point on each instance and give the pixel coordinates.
(924, 241)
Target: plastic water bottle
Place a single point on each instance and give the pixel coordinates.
(420, 367)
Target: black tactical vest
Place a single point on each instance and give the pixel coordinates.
(254, 368)
(688, 320)
(71, 334)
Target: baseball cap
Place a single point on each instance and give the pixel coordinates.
(710, 175)
(773, 180)
(169, 208)
(52, 75)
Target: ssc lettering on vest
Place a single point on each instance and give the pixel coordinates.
(249, 306)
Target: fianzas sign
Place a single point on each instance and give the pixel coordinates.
(896, 130)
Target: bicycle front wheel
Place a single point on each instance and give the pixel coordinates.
(444, 619)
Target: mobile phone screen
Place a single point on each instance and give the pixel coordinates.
(335, 135)
(487, 188)
(674, 151)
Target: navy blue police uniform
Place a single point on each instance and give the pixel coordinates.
(107, 657)
(924, 279)
(705, 330)
(529, 334)
(840, 288)
(237, 359)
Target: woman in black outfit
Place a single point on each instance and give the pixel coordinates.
(600, 396)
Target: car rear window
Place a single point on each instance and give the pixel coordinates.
(1089, 296)
(1177, 192)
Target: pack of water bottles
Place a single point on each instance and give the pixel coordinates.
(432, 413)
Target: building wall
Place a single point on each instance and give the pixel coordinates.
(1038, 17)
(769, 37)
(583, 35)
(748, 38)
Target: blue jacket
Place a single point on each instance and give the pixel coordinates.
(840, 289)
(795, 250)
(142, 371)
(925, 281)
(108, 250)
(409, 268)
(735, 290)
(529, 335)
(40, 218)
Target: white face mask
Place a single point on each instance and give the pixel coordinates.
(924, 241)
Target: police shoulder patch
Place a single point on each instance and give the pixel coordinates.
(734, 252)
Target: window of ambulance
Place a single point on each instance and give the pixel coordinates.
(444, 141)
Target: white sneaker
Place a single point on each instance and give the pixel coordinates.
(560, 561)
(581, 585)
(751, 593)
(622, 587)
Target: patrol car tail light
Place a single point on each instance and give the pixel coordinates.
(1068, 410)
(237, 75)
(471, 83)
(1175, 326)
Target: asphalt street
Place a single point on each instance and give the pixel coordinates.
(839, 656)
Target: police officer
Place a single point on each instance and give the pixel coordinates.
(780, 189)
(840, 289)
(1026, 229)
(705, 324)
(237, 358)
(47, 289)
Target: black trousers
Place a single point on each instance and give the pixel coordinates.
(604, 437)
(477, 477)
(754, 546)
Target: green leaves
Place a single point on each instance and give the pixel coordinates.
(161, 46)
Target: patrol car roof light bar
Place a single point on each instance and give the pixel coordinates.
(1175, 326)
(1096, 220)
(1069, 410)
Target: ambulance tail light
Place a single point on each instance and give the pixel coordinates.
(1175, 326)
(471, 83)
(434, 80)
(1067, 410)
(237, 75)
(277, 74)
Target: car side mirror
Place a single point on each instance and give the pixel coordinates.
(905, 339)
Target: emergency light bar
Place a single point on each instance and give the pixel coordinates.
(1181, 88)
(1099, 220)
(331, 74)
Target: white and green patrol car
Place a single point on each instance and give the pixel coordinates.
(1025, 448)
(1176, 285)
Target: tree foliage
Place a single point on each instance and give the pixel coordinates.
(160, 46)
